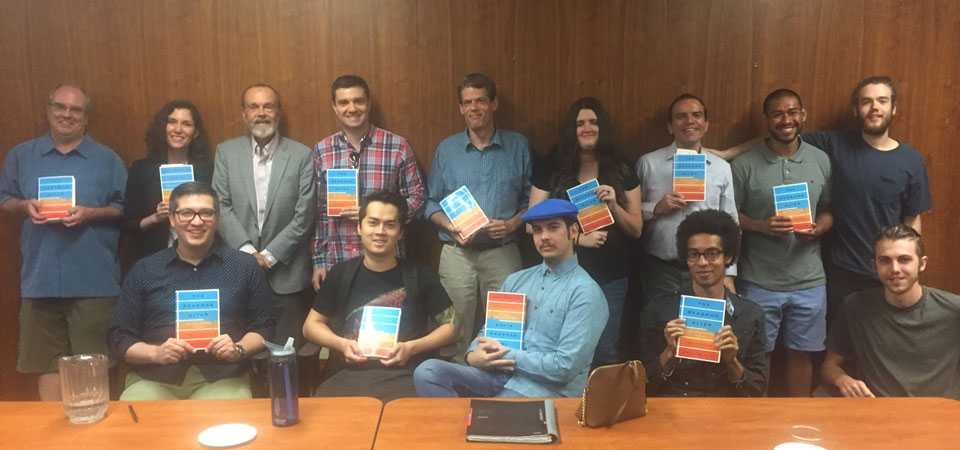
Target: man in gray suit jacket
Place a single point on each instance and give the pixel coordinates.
(267, 204)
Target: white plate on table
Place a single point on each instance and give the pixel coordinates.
(227, 435)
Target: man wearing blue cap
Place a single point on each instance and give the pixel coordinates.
(565, 314)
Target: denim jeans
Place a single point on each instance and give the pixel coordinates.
(439, 378)
(608, 348)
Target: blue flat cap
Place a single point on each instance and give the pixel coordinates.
(548, 209)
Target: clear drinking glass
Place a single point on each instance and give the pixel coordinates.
(85, 387)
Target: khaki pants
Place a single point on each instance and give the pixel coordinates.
(467, 275)
(194, 386)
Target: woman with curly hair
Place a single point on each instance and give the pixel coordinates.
(176, 135)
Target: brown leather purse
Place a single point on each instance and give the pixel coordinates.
(613, 393)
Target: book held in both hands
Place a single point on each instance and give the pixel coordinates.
(704, 318)
(379, 328)
(57, 195)
(522, 422)
(198, 316)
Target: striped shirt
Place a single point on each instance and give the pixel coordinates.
(385, 162)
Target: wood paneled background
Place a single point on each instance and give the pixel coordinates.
(132, 56)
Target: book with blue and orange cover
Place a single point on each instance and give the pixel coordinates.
(198, 316)
(57, 196)
(379, 330)
(173, 175)
(506, 312)
(592, 214)
(704, 317)
(690, 175)
(464, 212)
(343, 191)
(793, 201)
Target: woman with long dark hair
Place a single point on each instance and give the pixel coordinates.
(586, 151)
(176, 135)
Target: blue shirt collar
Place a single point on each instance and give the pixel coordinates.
(82, 149)
(495, 141)
(564, 268)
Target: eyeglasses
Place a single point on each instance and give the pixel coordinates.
(355, 159)
(61, 108)
(711, 255)
(187, 215)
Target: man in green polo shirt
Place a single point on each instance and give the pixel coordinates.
(780, 267)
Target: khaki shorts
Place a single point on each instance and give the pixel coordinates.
(55, 327)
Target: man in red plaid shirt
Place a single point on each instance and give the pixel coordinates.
(384, 161)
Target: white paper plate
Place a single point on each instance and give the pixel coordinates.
(798, 446)
(227, 435)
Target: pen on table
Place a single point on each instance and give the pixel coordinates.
(133, 414)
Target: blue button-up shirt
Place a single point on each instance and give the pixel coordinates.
(498, 176)
(67, 262)
(566, 312)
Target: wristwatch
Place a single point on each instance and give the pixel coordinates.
(240, 350)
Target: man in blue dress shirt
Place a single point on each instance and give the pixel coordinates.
(565, 314)
(70, 274)
(495, 166)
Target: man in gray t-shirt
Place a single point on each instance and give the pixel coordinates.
(900, 340)
(780, 266)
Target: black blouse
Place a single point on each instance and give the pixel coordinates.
(143, 195)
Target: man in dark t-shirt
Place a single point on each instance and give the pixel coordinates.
(899, 340)
(379, 279)
(877, 182)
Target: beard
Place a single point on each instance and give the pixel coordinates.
(263, 130)
(879, 129)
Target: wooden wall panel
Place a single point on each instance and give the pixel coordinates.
(635, 55)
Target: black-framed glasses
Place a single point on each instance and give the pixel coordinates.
(710, 254)
(187, 215)
(354, 159)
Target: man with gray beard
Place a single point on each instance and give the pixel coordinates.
(267, 203)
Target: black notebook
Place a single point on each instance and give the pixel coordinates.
(529, 422)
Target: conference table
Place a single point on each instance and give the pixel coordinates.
(326, 423)
(701, 423)
(422, 423)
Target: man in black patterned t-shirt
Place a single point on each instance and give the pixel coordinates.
(379, 279)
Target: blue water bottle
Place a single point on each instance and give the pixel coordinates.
(284, 388)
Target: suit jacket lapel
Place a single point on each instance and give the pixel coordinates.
(280, 159)
(246, 169)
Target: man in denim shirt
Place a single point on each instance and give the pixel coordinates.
(565, 315)
(495, 165)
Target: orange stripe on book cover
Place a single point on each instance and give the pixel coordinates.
(198, 325)
(505, 306)
(197, 334)
(590, 216)
(504, 297)
(597, 222)
(698, 354)
(697, 343)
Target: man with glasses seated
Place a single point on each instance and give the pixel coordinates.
(384, 161)
(710, 240)
(166, 363)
